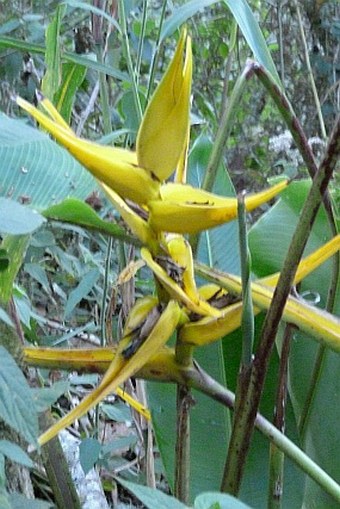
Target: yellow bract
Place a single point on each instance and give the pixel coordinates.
(186, 209)
(158, 213)
(121, 369)
(115, 167)
(163, 133)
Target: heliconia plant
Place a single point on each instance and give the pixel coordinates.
(148, 188)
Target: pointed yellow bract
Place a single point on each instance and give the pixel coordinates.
(181, 253)
(175, 291)
(207, 329)
(137, 224)
(321, 325)
(115, 167)
(162, 136)
(186, 209)
(121, 369)
(54, 113)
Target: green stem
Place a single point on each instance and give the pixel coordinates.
(245, 411)
(105, 292)
(97, 22)
(182, 466)
(222, 135)
(230, 58)
(276, 457)
(104, 96)
(57, 469)
(310, 72)
(313, 384)
(141, 41)
(224, 129)
(183, 357)
(155, 54)
(126, 48)
(247, 321)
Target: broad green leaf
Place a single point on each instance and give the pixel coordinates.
(15, 246)
(13, 452)
(77, 212)
(210, 500)
(16, 403)
(244, 18)
(52, 78)
(34, 168)
(15, 219)
(89, 451)
(270, 237)
(269, 241)
(81, 290)
(152, 498)
(73, 76)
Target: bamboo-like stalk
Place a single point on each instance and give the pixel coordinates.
(245, 411)
(276, 457)
(183, 357)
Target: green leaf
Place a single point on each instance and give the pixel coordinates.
(269, 242)
(253, 35)
(11, 42)
(81, 291)
(210, 500)
(73, 76)
(218, 247)
(89, 451)
(15, 219)
(52, 78)
(44, 397)
(35, 168)
(270, 237)
(16, 403)
(5, 499)
(16, 246)
(244, 18)
(18, 501)
(4, 317)
(151, 498)
(119, 412)
(99, 12)
(38, 273)
(15, 453)
(77, 212)
(4, 260)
